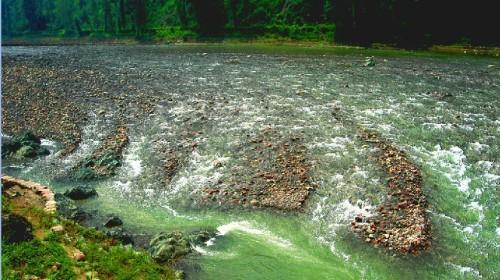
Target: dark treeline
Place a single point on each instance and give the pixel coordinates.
(407, 23)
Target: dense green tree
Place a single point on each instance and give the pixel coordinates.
(140, 15)
(210, 16)
(32, 12)
(407, 23)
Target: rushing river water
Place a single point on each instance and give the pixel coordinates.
(444, 112)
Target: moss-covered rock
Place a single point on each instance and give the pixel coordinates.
(80, 192)
(165, 247)
(23, 145)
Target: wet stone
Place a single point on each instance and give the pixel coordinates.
(113, 222)
(81, 192)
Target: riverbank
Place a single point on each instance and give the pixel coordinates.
(37, 243)
(267, 45)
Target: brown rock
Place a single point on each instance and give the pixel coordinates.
(78, 255)
(57, 229)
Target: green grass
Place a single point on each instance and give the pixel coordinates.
(49, 256)
(37, 258)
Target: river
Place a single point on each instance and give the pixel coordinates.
(442, 111)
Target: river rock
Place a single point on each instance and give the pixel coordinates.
(65, 206)
(80, 216)
(113, 221)
(369, 62)
(57, 229)
(78, 255)
(120, 235)
(16, 229)
(26, 152)
(166, 247)
(81, 192)
(23, 145)
(200, 236)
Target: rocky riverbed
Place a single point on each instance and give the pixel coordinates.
(264, 153)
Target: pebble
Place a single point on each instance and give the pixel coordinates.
(78, 255)
(57, 229)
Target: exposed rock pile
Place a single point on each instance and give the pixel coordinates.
(402, 224)
(34, 99)
(104, 161)
(279, 179)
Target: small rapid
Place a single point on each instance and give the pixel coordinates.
(209, 108)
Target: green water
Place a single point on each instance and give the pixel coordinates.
(444, 112)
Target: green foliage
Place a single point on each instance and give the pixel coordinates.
(170, 19)
(174, 33)
(123, 262)
(36, 258)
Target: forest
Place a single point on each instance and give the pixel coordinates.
(402, 23)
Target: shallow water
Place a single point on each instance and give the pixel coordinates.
(444, 112)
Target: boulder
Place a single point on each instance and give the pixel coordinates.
(65, 206)
(26, 152)
(9, 146)
(369, 62)
(27, 138)
(80, 216)
(16, 229)
(200, 236)
(80, 192)
(165, 247)
(23, 145)
(78, 255)
(120, 235)
(57, 229)
(113, 221)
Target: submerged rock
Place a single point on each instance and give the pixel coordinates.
(120, 235)
(200, 236)
(65, 206)
(369, 62)
(81, 192)
(113, 222)
(80, 216)
(16, 229)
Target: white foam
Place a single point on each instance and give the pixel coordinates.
(122, 186)
(438, 125)
(466, 270)
(452, 164)
(478, 147)
(337, 143)
(200, 172)
(479, 208)
(202, 250)
(246, 227)
(48, 143)
(132, 161)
